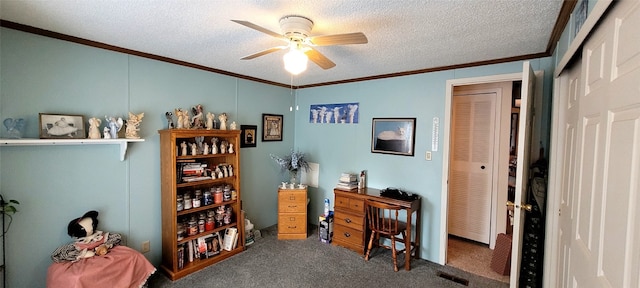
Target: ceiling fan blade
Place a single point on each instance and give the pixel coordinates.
(259, 28)
(270, 50)
(319, 59)
(339, 39)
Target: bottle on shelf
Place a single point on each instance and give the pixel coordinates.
(326, 207)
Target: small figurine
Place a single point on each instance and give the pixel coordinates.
(106, 133)
(114, 124)
(233, 126)
(230, 149)
(180, 117)
(223, 146)
(194, 149)
(230, 170)
(214, 145)
(219, 173)
(186, 122)
(132, 125)
(15, 128)
(94, 128)
(199, 141)
(225, 171)
(183, 145)
(210, 118)
(206, 149)
(169, 117)
(197, 121)
(223, 121)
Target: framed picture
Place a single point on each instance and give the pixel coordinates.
(393, 136)
(62, 126)
(580, 16)
(272, 127)
(248, 135)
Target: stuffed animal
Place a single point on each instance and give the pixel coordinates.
(89, 241)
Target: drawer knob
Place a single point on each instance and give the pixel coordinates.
(347, 220)
(293, 206)
(347, 234)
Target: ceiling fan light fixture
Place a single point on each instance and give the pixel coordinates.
(295, 61)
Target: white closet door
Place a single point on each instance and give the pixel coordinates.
(470, 179)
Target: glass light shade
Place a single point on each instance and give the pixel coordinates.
(295, 61)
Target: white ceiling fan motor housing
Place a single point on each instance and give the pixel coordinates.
(296, 28)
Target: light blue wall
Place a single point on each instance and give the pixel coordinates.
(55, 184)
(58, 183)
(347, 147)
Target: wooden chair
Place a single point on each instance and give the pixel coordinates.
(384, 222)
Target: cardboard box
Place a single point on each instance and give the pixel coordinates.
(325, 228)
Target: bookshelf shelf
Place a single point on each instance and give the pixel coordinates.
(42, 142)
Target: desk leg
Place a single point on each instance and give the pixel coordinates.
(418, 228)
(407, 242)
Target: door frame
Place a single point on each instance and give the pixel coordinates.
(446, 142)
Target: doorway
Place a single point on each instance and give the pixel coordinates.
(528, 132)
(478, 150)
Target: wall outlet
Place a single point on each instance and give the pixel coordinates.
(146, 246)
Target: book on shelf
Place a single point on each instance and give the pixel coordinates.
(342, 186)
(195, 178)
(348, 177)
(230, 239)
(181, 256)
(213, 244)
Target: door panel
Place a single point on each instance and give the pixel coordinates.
(471, 176)
(522, 170)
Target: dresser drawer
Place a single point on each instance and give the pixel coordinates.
(356, 205)
(348, 235)
(292, 223)
(349, 220)
(292, 202)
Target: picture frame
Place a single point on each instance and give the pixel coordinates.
(580, 16)
(393, 136)
(62, 126)
(248, 135)
(272, 127)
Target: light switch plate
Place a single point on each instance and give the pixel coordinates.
(427, 156)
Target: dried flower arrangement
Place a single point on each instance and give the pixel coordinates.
(293, 163)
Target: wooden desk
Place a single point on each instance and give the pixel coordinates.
(350, 224)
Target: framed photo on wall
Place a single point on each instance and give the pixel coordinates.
(272, 127)
(61, 126)
(248, 134)
(393, 136)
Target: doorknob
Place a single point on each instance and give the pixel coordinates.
(523, 206)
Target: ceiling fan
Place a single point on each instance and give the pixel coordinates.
(296, 32)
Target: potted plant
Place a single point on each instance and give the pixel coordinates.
(7, 208)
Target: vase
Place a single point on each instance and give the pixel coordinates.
(294, 176)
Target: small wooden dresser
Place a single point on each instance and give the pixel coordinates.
(349, 229)
(292, 213)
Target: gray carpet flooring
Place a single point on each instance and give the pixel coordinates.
(270, 262)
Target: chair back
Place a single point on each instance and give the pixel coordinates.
(383, 217)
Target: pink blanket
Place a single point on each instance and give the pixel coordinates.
(121, 267)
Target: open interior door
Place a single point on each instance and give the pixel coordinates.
(522, 170)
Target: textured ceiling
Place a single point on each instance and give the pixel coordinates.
(403, 35)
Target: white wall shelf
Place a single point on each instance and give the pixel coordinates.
(123, 142)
